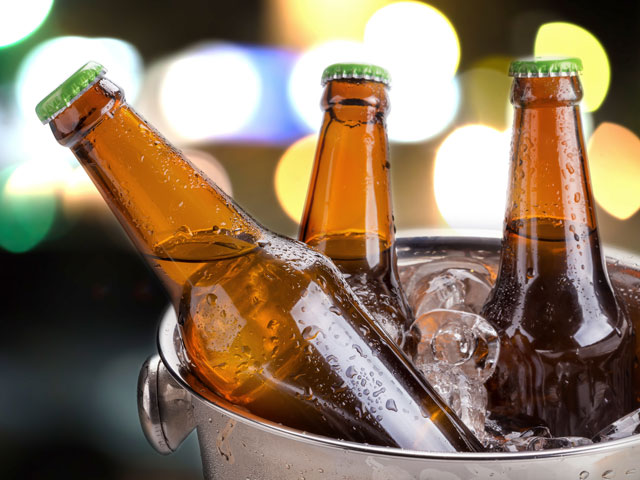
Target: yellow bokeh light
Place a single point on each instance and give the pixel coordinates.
(292, 176)
(567, 39)
(614, 161)
(470, 177)
(302, 23)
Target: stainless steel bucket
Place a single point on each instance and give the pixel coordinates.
(235, 444)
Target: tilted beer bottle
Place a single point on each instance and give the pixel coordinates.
(348, 210)
(266, 322)
(566, 346)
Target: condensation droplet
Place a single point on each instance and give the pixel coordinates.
(584, 475)
(310, 332)
(391, 405)
(609, 474)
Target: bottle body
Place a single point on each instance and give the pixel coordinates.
(266, 323)
(566, 353)
(348, 210)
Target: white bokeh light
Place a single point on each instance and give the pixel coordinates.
(470, 177)
(210, 93)
(421, 109)
(50, 63)
(20, 18)
(38, 176)
(420, 48)
(416, 33)
(304, 84)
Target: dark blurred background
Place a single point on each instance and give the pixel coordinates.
(236, 86)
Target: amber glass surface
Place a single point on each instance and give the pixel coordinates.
(266, 322)
(348, 209)
(566, 357)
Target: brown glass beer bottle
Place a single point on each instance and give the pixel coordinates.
(566, 346)
(266, 322)
(348, 209)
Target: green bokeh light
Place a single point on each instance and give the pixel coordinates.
(25, 217)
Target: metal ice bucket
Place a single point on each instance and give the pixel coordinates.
(235, 444)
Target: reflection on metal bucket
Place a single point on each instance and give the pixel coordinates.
(235, 444)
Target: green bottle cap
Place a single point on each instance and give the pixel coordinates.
(74, 86)
(546, 67)
(360, 71)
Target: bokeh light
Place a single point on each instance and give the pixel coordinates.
(417, 34)
(567, 39)
(50, 63)
(420, 111)
(209, 93)
(614, 161)
(293, 174)
(304, 23)
(27, 212)
(79, 193)
(41, 176)
(304, 84)
(470, 177)
(419, 46)
(21, 18)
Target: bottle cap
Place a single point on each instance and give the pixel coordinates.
(546, 67)
(360, 71)
(74, 86)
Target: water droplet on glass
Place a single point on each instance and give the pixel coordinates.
(310, 332)
(584, 475)
(391, 405)
(609, 474)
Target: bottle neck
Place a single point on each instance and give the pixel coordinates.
(549, 172)
(348, 208)
(171, 211)
(550, 207)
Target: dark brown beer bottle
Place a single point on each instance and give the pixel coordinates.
(566, 346)
(266, 322)
(348, 210)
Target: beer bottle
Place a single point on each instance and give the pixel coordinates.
(266, 322)
(566, 346)
(348, 209)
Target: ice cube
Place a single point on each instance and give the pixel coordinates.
(621, 428)
(531, 440)
(450, 282)
(457, 339)
(468, 400)
(535, 443)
